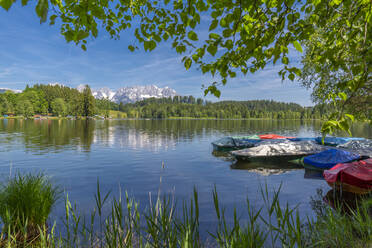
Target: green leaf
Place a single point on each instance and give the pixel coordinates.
(335, 2)
(42, 9)
(180, 49)
(83, 47)
(214, 36)
(344, 125)
(297, 45)
(351, 117)
(212, 49)
(188, 63)
(212, 89)
(213, 25)
(165, 36)
(298, 72)
(131, 48)
(157, 38)
(52, 19)
(342, 96)
(6, 4)
(285, 60)
(152, 45)
(291, 76)
(192, 36)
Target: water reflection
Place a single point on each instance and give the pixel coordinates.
(225, 156)
(267, 168)
(43, 136)
(346, 202)
(313, 174)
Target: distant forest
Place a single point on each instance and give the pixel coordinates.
(62, 101)
(188, 106)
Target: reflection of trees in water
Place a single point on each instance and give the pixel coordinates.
(50, 135)
(55, 135)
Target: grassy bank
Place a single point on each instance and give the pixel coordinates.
(25, 203)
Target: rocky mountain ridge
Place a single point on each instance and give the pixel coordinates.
(133, 94)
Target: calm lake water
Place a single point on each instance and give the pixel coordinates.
(130, 153)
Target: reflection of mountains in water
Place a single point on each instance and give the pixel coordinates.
(110, 133)
(139, 140)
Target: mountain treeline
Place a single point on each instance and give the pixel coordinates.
(60, 100)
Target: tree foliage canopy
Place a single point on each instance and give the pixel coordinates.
(242, 37)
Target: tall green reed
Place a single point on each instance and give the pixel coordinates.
(117, 222)
(25, 204)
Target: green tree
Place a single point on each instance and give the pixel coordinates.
(59, 107)
(5, 105)
(343, 79)
(25, 108)
(88, 102)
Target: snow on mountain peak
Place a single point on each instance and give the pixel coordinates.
(133, 93)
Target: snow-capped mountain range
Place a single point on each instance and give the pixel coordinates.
(131, 94)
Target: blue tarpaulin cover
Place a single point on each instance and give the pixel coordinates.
(302, 139)
(329, 158)
(334, 141)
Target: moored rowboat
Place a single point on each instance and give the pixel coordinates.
(283, 150)
(235, 143)
(355, 177)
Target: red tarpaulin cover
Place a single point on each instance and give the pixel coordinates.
(357, 173)
(273, 136)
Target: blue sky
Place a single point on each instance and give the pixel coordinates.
(31, 52)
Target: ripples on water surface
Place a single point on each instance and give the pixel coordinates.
(130, 153)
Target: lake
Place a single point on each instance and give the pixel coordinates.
(130, 154)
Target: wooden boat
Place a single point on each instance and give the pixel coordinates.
(282, 150)
(235, 143)
(355, 177)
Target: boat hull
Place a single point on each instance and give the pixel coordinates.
(349, 188)
(277, 158)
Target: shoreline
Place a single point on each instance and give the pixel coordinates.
(169, 118)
